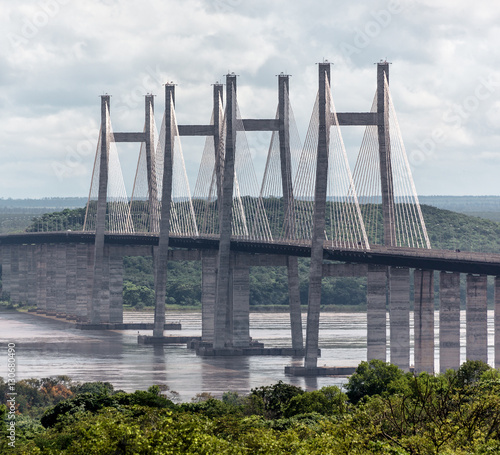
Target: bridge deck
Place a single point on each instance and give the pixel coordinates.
(453, 261)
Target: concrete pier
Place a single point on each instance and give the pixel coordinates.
(6, 270)
(60, 284)
(399, 309)
(23, 273)
(208, 284)
(449, 321)
(424, 320)
(115, 287)
(241, 302)
(71, 271)
(41, 277)
(82, 291)
(51, 280)
(32, 275)
(294, 303)
(376, 299)
(477, 318)
(14, 274)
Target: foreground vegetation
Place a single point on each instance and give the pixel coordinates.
(381, 411)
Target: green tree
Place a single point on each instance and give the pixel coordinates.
(272, 400)
(326, 401)
(371, 378)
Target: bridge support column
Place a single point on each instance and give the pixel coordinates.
(41, 278)
(240, 302)
(105, 296)
(14, 274)
(497, 322)
(424, 320)
(6, 270)
(449, 321)
(476, 318)
(294, 303)
(399, 309)
(98, 286)
(83, 296)
(376, 300)
(318, 233)
(384, 147)
(32, 276)
(23, 273)
(90, 281)
(51, 280)
(70, 280)
(115, 286)
(208, 284)
(60, 291)
(223, 310)
(160, 255)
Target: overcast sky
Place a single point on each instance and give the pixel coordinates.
(58, 56)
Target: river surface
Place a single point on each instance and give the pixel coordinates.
(48, 347)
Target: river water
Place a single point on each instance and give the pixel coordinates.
(48, 347)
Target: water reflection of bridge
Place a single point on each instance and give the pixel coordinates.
(308, 205)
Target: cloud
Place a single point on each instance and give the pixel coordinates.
(57, 57)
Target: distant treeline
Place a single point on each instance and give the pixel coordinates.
(42, 203)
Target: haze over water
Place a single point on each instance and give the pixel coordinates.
(47, 347)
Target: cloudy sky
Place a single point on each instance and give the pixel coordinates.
(58, 56)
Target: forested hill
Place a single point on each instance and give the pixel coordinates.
(482, 206)
(269, 285)
(452, 230)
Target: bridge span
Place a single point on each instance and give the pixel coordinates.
(418, 258)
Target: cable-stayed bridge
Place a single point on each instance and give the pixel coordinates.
(308, 204)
